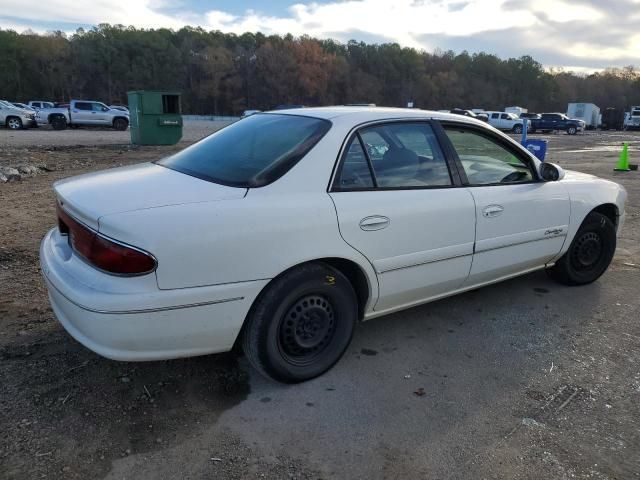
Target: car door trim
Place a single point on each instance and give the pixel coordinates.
(520, 238)
(422, 258)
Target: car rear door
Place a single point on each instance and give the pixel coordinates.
(522, 222)
(401, 204)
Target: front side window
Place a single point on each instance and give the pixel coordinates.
(251, 152)
(401, 155)
(485, 161)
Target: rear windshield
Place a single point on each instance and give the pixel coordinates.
(252, 152)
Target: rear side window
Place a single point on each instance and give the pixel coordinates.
(400, 155)
(252, 152)
(355, 173)
(83, 106)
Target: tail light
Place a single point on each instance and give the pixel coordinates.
(103, 253)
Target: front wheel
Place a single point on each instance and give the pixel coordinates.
(300, 326)
(572, 130)
(14, 123)
(517, 129)
(590, 253)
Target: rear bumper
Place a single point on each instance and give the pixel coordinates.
(154, 325)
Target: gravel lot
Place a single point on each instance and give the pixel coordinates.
(46, 136)
(526, 379)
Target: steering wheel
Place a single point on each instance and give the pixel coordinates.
(513, 177)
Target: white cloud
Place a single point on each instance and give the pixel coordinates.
(416, 23)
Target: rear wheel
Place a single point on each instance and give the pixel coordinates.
(59, 123)
(590, 253)
(120, 124)
(14, 123)
(300, 326)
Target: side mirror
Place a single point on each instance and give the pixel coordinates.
(550, 172)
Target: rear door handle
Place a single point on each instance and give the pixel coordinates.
(492, 211)
(374, 222)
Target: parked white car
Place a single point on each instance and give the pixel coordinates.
(507, 121)
(282, 230)
(38, 104)
(15, 118)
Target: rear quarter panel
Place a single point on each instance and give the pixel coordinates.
(254, 238)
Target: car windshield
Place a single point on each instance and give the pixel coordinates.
(252, 152)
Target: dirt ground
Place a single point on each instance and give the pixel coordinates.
(526, 379)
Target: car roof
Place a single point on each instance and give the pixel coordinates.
(364, 114)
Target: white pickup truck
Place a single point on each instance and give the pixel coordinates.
(85, 113)
(506, 121)
(632, 119)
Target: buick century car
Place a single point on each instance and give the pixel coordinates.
(284, 229)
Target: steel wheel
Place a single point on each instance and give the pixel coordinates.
(301, 324)
(589, 254)
(587, 251)
(306, 329)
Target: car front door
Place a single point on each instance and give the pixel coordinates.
(506, 123)
(522, 222)
(400, 203)
(494, 120)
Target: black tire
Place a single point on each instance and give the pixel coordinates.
(59, 123)
(302, 323)
(14, 123)
(572, 130)
(590, 253)
(120, 124)
(517, 129)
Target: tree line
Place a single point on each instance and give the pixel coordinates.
(224, 73)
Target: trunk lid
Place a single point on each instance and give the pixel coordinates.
(91, 196)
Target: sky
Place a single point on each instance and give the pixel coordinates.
(578, 35)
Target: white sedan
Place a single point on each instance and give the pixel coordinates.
(283, 230)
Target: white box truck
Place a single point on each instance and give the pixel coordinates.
(516, 110)
(589, 113)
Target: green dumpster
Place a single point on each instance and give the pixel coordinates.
(155, 117)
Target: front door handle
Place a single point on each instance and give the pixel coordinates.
(374, 222)
(492, 211)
